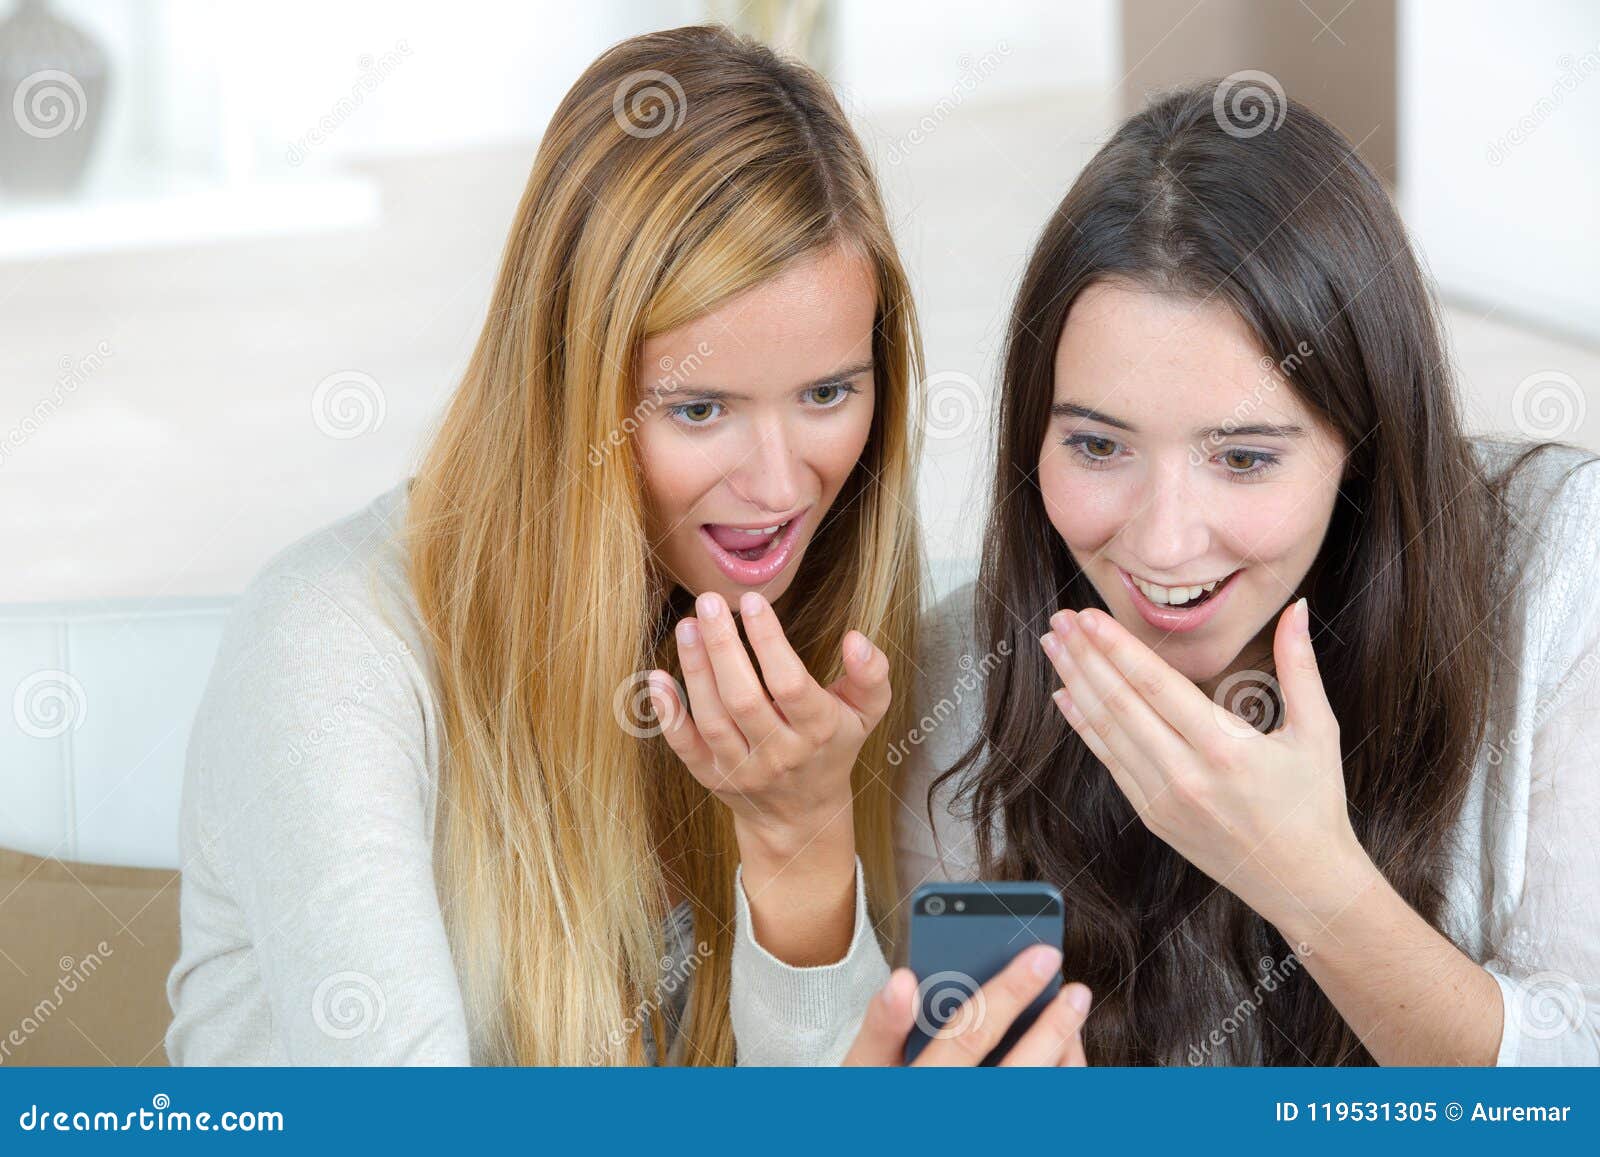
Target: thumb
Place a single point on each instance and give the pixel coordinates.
(1305, 701)
(882, 1039)
(864, 686)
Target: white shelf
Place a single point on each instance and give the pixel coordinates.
(178, 213)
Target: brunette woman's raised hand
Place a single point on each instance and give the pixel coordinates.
(1263, 814)
(780, 755)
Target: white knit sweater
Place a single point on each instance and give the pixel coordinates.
(311, 924)
(1523, 895)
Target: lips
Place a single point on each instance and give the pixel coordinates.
(1178, 619)
(751, 559)
(737, 541)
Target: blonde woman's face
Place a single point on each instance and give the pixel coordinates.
(754, 415)
(1178, 456)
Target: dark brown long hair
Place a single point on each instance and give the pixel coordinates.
(1292, 230)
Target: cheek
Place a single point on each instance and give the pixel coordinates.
(834, 448)
(1271, 524)
(673, 480)
(1086, 510)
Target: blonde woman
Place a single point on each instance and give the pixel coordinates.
(428, 816)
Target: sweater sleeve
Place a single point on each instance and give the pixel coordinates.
(1547, 956)
(784, 1015)
(309, 765)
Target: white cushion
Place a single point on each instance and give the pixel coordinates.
(98, 701)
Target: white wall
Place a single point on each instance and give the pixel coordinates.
(1500, 154)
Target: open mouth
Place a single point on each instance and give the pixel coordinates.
(748, 545)
(752, 555)
(1177, 608)
(1180, 597)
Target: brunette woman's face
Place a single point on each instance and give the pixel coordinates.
(754, 415)
(1178, 456)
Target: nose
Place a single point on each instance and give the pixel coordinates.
(1168, 528)
(768, 475)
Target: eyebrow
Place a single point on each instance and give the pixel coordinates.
(842, 377)
(1255, 430)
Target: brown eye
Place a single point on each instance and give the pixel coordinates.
(1100, 447)
(830, 396)
(697, 412)
(1240, 459)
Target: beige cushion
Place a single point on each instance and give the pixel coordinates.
(84, 956)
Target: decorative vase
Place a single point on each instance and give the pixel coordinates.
(53, 84)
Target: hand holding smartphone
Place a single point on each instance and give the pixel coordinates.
(964, 936)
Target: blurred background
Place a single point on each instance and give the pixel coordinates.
(245, 248)
(245, 251)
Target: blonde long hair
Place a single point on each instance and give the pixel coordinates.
(683, 167)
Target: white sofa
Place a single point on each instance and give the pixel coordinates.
(101, 696)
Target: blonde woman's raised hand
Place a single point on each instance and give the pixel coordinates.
(779, 755)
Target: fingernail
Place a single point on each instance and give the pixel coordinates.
(1088, 622)
(1062, 621)
(751, 604)
(688, 632)
(1063, 700)
(1304, 614)
(1046, 960)
(861, 648)
(1079, 997)
(1051, 644)
(709, 606)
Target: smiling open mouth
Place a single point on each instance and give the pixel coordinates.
(1177, 608)
(749, 545)
(1190, 596)
(752, 555)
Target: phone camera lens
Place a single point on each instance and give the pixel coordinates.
(934, 906)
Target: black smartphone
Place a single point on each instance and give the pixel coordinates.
(961, 936)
